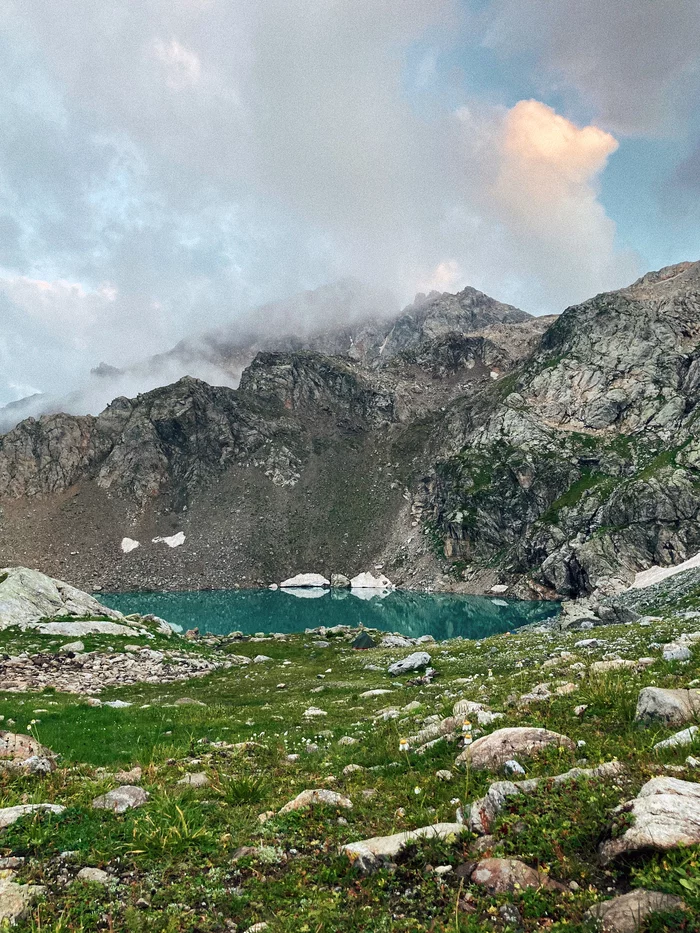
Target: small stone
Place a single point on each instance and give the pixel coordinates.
(352, 769)
(512, 766)
(312, 798)
(121, 799)
(198, 779)
(314, 712)
(95, 875)
(443, 775)
(347, 740)
(510, 915)
(16, 900)
(505, 875)
(685, 737)
(441, 870)
(73, 647)
(261, 659)
(10, 815)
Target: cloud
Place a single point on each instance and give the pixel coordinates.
(634, 63)
(171, 164)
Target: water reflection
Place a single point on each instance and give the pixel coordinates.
(443, 615)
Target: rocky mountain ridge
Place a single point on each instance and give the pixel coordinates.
(467, 444)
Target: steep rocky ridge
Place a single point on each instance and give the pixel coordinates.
(583, 466)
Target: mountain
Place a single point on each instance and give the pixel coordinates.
(583, 467)
(458, 444)
(311, 461)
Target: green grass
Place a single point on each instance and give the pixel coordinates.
(178, 862)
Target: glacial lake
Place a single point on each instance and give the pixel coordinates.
(442, 615)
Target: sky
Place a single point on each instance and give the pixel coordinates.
(167, 165)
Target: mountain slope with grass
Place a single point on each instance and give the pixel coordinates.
(210, 840)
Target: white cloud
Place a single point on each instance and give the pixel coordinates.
(182, 66)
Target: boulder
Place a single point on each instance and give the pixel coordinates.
(121, 799)
(367, 581)
(15, 900)
(396, 641)
(314, 798)
(28, 597)
(492, 751)
(23, 751)
(10, 815)
(673, 707)
(414, 662)
(370, 854)
(665, 814)
(302, 580)
(674, 652)
(198, 779)
(627, 913)
(680, 739)
(339, 581)
(72, 647)
(507, 875)
(363, 642)
(93, 875)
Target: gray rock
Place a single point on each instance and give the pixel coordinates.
(339, 581)
(395, 641)
(493, 750)
(685, 737)
(665, 813)
(16, 900)
(198, 779)
(627, 912)
(121, 799)
(370, 854)
(314, 798)
(23, 753)
(674, 652)
(414, 662)
(28, 597)
(94, 875)
(10, 815)
(75, 647)
(672, 707)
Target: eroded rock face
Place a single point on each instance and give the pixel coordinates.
(665, 813)
(493, 750)
(627, 913)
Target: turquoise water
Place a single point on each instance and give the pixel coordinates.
(221, 612)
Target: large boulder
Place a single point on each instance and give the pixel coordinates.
(28, 598)
(672, 707)
(492, 751)
(627, 912)
(665, 814)
(414, 662)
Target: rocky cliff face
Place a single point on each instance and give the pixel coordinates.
(463, 444)
(582, 467)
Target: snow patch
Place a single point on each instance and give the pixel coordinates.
(172, 541)
(129, 544)
(365, 581)
(657, 574)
